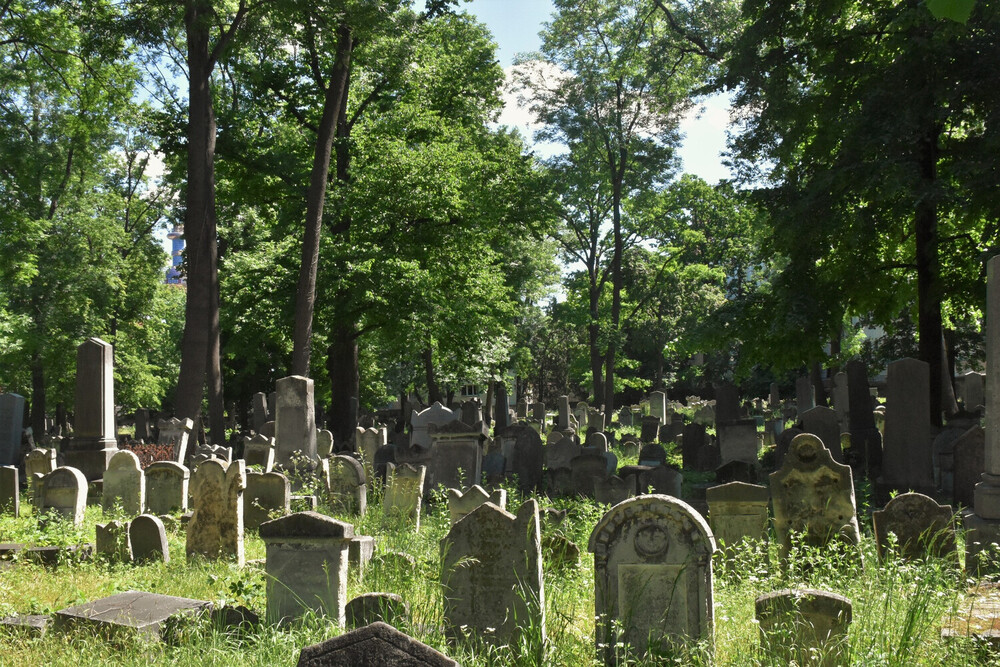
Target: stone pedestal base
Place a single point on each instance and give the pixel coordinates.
(92, 462)
(987, 497)
(982, 544)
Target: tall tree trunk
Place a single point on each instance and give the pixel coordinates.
(433, 391)
(37, 396)
(616, 288)
(929, 268)
(342, 366)
(305, 298)
(593, 334)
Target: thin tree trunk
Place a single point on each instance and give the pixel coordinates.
(616, 290)
(37, 396)
(342, 367)
(929, 270)
(433, 392)
(305, 299)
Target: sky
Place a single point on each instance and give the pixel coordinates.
(515, 25)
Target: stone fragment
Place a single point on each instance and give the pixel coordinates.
(652, 575)
(738, 441)
(112, 542)
(307, 559)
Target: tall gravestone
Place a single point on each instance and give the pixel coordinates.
(727, 402)
(805, 394)
(294, 420)
(461, 504)
(94, 439)
(11, 426)
(813, 496)
(983, 523)
(562, 422)
(969, 455)
(866, 440)
(823, 423)
(260, 412)
(491, 564)
(738, 441)
(658, 406)
(907, 463)
(167, 487)
(501, 416)
(652, 575)
(10, 492)
(404, 492)
(526, 457)
(216, 527)
(842, 401)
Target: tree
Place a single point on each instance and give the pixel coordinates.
(876, 120)
(616, 77)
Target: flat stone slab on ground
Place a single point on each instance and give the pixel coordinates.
(978, 616)
(31, 624)
(135, 610)
(8, 549)
(374, 645)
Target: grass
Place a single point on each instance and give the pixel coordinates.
(899, 607)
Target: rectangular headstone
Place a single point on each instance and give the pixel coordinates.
(11, 425)
(294, 420)
(907, 462)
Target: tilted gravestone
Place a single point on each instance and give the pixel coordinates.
(738, 511)
(148, 538)
(259, 451)
(804, 627)
(124, 484)
(216, 527)
(813, 495)
(652, 575)
(11, 425)
(346, 484)
(65, 491)
(527, 457)
(461, 504)
(267, 496)
(420, 438)
(649, 431)
(906, 456)
(176, 433)
(404, 492)
(491, 565)
(921, 526)
(375, 645)
(167, 487)
(307, 558)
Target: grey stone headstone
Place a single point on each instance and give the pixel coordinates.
(347, 485)
(907, 461)
(692, 443)
(382, 607)
(738, 441)
(738, 511)
(10, 492)
(652, 455)
(612, 490)
(124, 484)
(921, 526)
(216, 528)
(969, 453)
(805, 394)
(65, 491)
(266, 494)
(294, 420)
(260, 413)
(804, 626)
(149, 539)
(94, 439)
(866, 440)
(584, 471)
(375, 645)
(727, 402)
(526, 457)
(11, 425)
(823, 423)
(112, 541)
(167, 487)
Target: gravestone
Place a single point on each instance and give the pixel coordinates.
(307, 559)
(346, 484)
(805, 627)
(649, 431)
(112, 542)
(472, 412)
(124, 484)
(842, 402)
(41, 461)
(562, 421)
(10, 491)
(148, 538)
(369, 440)
(805, 394)
(652, 575)
(538, 414)
(595, 420)
(969, 456)
(94, 439)
(375, 645)
(584, 471)
(559, 455)
(613, 490)
(774, 396)
(420, 438)
(371, 607)
(692, 444)
(259, 451)
(970, 390)
(501, 416)
(494, 467)
(736, 471)
(456, 456)
(727, 402)
(652, 454)
(131, 611)
(866, 440)
(823, 423)
(404, 492)
(738, 511)
(922, 527)
(582, 414)
(658, 406)
(814, 495)
(597, 442)
(662, 480)
(266, 494)
(65, 491)
(11, 426)
(167, 487)
(324, 443)
(527, 457)
(461, 504)
(216, 527)
(906, 456)
(294, 420)
(176, 433)
(260, 413)
(491, 566)
(738, 441)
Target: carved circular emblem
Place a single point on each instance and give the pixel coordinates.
(806, 449)
(651, 541)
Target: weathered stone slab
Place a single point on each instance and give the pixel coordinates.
(652, 575)
(652, 455)
(404, 492)
(376, 645)
(267, 494)
(584, 471)
(307, 559)
(216, 527)
(346, 484)
(65, 491)
(922, 527)
(148, 538)
(33, 625)
(814, 495)
(738, 511)
(613, 490)
(805, 627)
(461, 504)
(492, 574)
(124, 484)
(167, 487)
(135, 611)
(376, 607)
